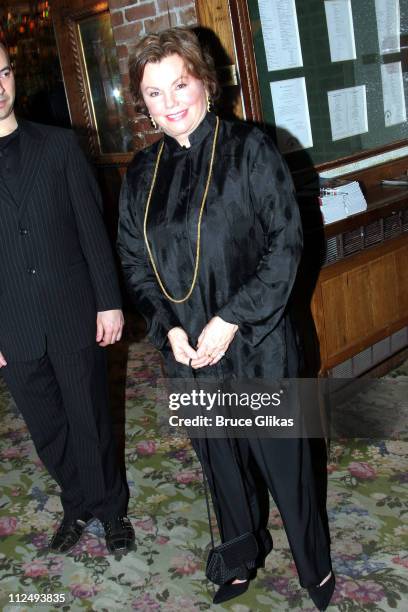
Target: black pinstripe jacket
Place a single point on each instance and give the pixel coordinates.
(56, 265)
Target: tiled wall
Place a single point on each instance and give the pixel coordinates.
(132, 19)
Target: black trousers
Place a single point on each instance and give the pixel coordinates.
(241, 471)
(64, 402)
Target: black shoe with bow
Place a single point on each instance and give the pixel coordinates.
(69, 533)
(120, 536)
(230, 590)
(321, 595)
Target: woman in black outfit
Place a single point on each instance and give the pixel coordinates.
(210, 240)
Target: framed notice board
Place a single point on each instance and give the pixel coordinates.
(331, 77)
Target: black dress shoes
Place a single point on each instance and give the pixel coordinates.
(120, 536)
(69, 533)
(229, 591)
(321, 595)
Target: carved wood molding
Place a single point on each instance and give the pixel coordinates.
(78, 14)
(246, 59)
(82, 86)
(71, 19)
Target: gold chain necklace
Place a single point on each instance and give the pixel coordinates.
(197, 258)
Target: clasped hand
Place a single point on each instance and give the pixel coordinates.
(212, 344)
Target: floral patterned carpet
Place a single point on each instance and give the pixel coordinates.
(367, 505)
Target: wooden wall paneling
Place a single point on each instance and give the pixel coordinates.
(214, 15)
(383, 290)
(361, 300)
(364, 343)
(358, 320)
(401, 256)
(334, 314)
(346, 316)
(316, 307)
(246, 60)
(363, 257)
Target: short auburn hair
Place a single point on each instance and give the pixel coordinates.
(181, 41)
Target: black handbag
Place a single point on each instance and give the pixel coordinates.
(232, 559)
(226, 561)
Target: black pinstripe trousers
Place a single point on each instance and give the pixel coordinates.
(64, 401)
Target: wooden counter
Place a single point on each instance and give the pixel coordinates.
(361, 294)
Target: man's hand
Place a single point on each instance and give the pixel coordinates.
(3, 362)
(109, 327)
(180, 346)
(214, 341)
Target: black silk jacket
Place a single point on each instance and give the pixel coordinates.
(251, 242)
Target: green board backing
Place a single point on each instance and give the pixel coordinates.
(323, 75)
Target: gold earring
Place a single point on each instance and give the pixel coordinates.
(152, 121)
(209, 103)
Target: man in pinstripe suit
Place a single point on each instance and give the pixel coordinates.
(59, 306)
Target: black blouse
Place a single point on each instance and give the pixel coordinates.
(10, 161)
(251, 242)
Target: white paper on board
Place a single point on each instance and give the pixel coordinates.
(348, 111)
(388, 25)
(333, 209)
(280, 33)
(339, 18)
(292, 117)
(393, 94)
